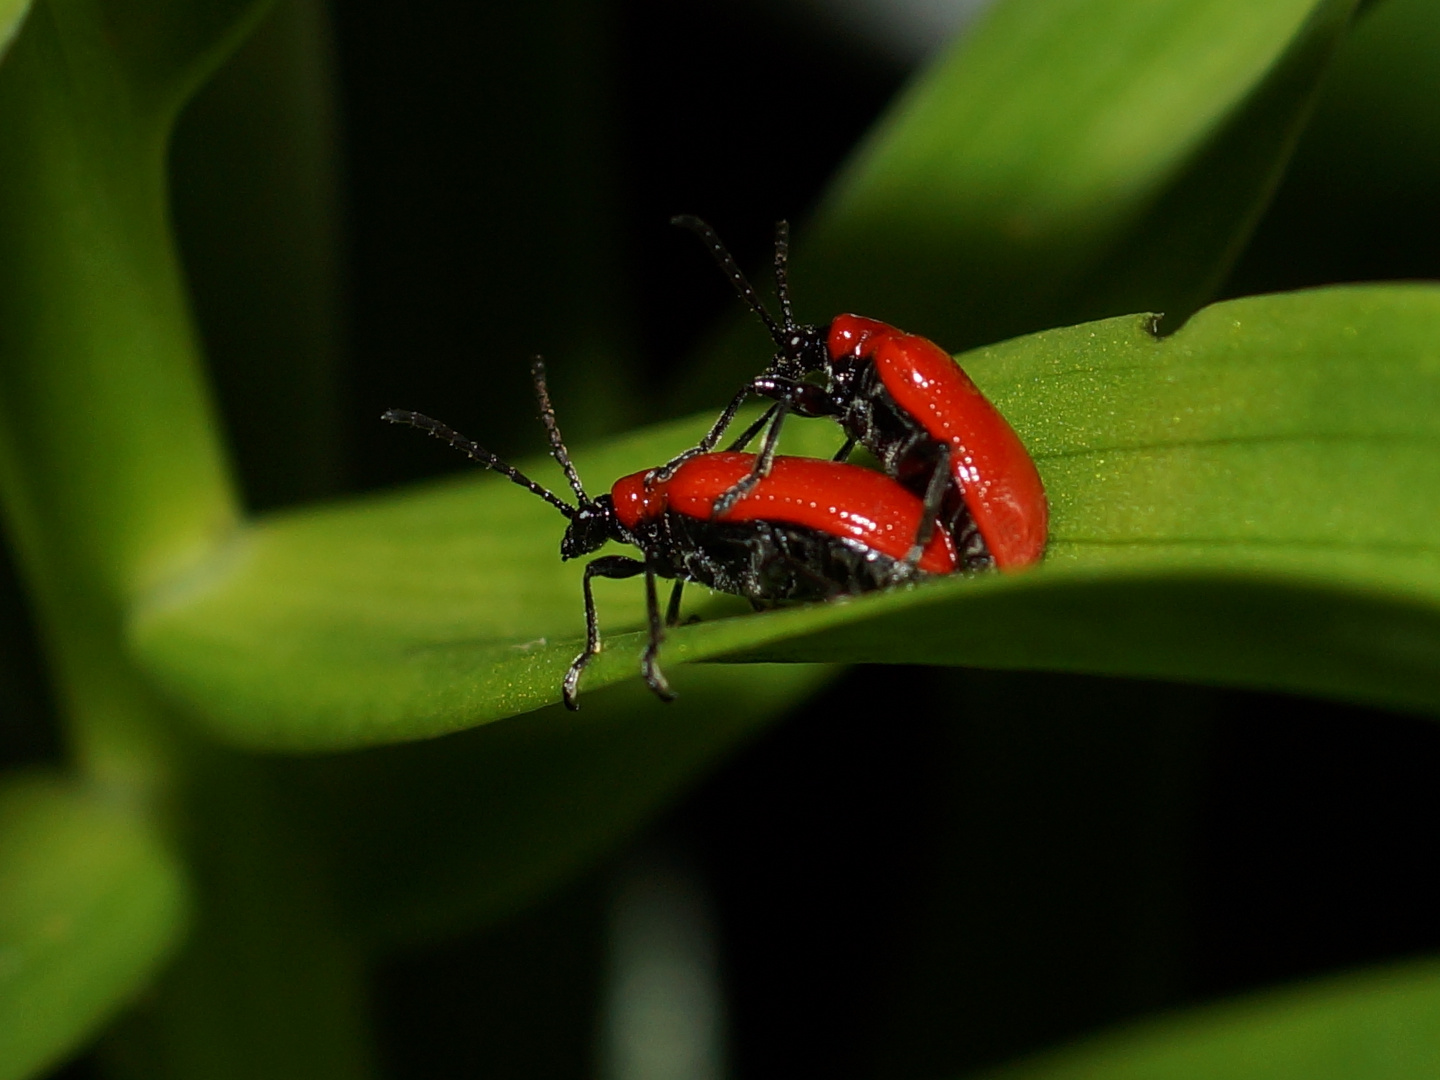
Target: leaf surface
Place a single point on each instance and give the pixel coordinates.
(1071, 160)
(1371, 1025)
(91, 902)
(12, 14)
(1237, 503)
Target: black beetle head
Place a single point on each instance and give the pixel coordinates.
(803, 350)
(593, 523)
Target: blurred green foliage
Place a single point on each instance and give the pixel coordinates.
(1246, 501)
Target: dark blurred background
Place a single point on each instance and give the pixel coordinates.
(921, 871)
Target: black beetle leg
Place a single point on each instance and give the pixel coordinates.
(763, 461)
(648, 666)
(672, 611)
(607, 566)
(934, 496)
(754, 429)
(705, 445)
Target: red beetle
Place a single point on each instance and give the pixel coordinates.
(806, 530)
(933, 402)
(904, 399)
(868, 514)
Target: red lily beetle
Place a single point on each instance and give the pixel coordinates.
(905, 400)
(806, 530)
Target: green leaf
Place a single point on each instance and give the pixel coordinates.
(91, 903)
(1062, 144)
(399, 616)
(254, 171)
(163, 49)
(12, 14)
(1359, 197)
(1236, 503)
(1383, 104)
(112, 473)
(1174, 257)
(1374, 1025)
(1242, 503)
(93, 320)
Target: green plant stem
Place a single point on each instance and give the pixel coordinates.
(111, 473)
(115, 485)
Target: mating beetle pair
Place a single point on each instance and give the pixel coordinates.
(958, 492)
(906, 401)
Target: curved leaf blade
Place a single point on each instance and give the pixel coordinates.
(396, 617)
(1272, 460)
(12, 14)
(1175, 255)
(1042, 150)
(1373, 1025)
(91, 902)
(163, 50)
(95, 331)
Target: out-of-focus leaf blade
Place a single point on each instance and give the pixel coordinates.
(111, 469)
(254, 167)
(1374, 1025)
(94, 325)
(1174, 257)
(91, 902)
(1031, 166)
(165, 49)
(1241, 502)
(1362, 197)
(12, 14)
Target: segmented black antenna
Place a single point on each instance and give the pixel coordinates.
(731, 270)
(552, 428)
(782, 276)
(475, 452)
